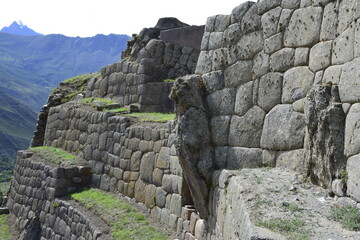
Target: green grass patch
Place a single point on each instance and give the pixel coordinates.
(4, 227)
(153, 117)
(348, 216)
(55, 155)
(117, 110)
(125, 221)
(81, 78)
(169, 80)
(292, 228)
(99, 103)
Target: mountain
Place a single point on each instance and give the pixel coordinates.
(31, 66)
(18, 28)
(17, 123)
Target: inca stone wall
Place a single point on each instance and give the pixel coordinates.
(34, 190)
(148, 61)
(258, 66)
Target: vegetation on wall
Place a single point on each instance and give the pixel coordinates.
(125, 221)
(55, 155)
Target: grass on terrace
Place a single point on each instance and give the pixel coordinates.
(4, 227)
(55, 155)
(153, 117)
(125, 221)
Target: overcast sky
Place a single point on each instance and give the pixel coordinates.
(87, 18)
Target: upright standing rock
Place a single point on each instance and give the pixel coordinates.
(194, 139)
(324, 144)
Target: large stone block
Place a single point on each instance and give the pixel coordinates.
(239, 12)
(320, 56)
(353, 183)
(332, 75)
(244, 98)
(251, 20)
(270, 89)
(240, 157)
(261, 65)
(249, 45)
(297, 83)
(147, 166)
(282, 60)
(222, 102)
(274, 43)
(214, 81)
(291, 160)
(304, 27)
(349, 87)
(246, 131)
(329, 22)
(220, 129)
(284, 129)
(265, 5)
(269, 21)
(238, 73)
(343, 46)
(352, 131)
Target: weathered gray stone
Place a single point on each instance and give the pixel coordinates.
(221, 23)
(270, 89)
(240, 157)
(297, 83)
(261, 65)
(329, 22)
(200, 229)
(343, 46)
(222, 102)
(246, 131)
(352, 131)
(238, 73)
(332, 75)
(238, 13)
(325, 121)
(304, 27)
(163, 159)
(353, 170)
(249, 45)
(269, 21)
(204, 63)
(291, 4)
(231, 36)
(251, 20)
(282, 60)
(320, 56)
(318, 78)
(220, 129)
(287, 137)
(147, 166)
(160, 197)
(214, 81)
(346, 14)
(135, 161)
(291, 160)
(284, 19)
(150, 195)
(274, 43)
(338, 188)
(265, 5)
(269, 158)
(243, 101)
(298, 105)
(349, 87)
(215, 40)
(221, 157)
(220, 59)
(175, 205)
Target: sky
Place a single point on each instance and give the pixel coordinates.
(86, 18)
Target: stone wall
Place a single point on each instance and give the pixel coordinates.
(258, 66)
(34, 190)
(190, 36)
(148, 61)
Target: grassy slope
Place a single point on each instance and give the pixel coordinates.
(126, 222)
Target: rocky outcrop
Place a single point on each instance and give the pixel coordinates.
(325, 121)
(193, 141)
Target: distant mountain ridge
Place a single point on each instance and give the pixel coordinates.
(18, 28)
(31, 66)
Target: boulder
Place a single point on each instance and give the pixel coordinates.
(304, 27)
(284, 129)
